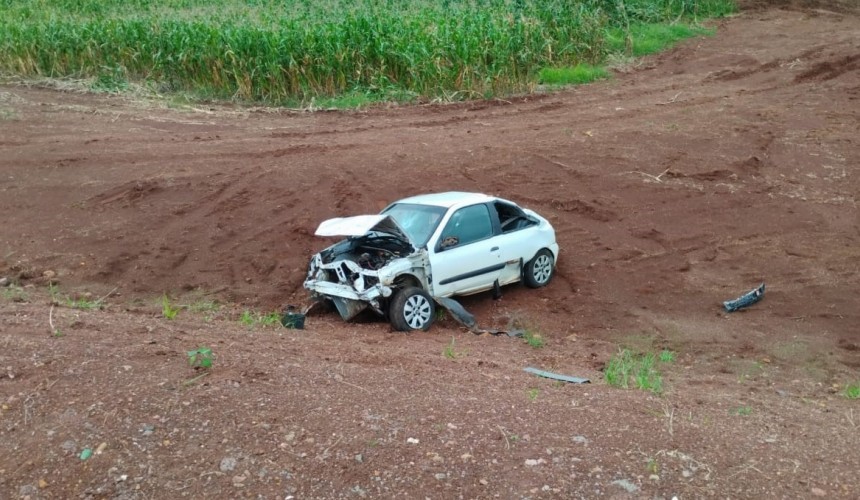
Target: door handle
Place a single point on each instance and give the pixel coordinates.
(494, 249)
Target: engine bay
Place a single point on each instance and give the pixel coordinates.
(371, 252)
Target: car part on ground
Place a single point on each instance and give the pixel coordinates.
(745, 300)
(293, 319)
(467, 319)
(556, 376)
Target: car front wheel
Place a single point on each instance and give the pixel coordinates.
(411, 309)
(539, 270)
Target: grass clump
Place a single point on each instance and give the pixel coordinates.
(852, 391)
(8, 114)
(533, 338)
(667, 356)
(742, 411)
(645, 39)
(628, 369)
(573, 75)
(15, 293)
(83, 302)
(253, 318)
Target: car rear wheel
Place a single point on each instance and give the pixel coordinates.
(412, 309)
(540, 270)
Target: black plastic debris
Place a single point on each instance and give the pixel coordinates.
(745, 300)
(556, 376)
(293, 319)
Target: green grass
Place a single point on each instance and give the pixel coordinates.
(332, 53)
(533, 393)
(8, 114)
(15, 293)
(742, 411)
(627, 369)
(82, 303)
(450, 352)
(253, 318)
(574, 75)
(667, 356)
(852, 391)
(650, 38)
(533, 338)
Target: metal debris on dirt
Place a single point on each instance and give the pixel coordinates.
(467, 319)
(556, 376)
(745, 300)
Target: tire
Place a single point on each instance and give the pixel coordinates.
(412, 309)
(540, 270)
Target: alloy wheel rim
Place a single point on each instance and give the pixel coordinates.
(542, 269)
(416, 311)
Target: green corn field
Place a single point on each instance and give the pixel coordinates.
(284, 51)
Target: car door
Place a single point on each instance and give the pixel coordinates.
(517, 242)
(465, 257)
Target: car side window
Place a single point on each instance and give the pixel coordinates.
(512, 218)
(467, 225)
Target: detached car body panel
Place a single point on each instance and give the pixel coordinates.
(435, 245)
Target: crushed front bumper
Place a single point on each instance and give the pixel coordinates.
(352, 292)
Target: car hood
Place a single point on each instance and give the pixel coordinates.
(359, 225)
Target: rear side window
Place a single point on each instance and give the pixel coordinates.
(467, 225)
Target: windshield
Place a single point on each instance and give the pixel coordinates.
(419, 221)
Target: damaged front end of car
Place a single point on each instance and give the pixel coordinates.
(365, 269)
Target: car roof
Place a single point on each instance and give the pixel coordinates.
(448, 199)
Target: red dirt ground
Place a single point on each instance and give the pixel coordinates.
(686, 180)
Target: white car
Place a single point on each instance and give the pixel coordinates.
(433, 245)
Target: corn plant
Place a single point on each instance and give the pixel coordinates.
(282, 51)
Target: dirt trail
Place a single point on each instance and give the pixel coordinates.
(686, 180)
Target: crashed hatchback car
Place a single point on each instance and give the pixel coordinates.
(433, 245)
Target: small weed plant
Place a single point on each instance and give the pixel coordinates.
(168, 310)
(252, 318)
(742, 411)
(8, 114)
(534, 339)
(15, 293)
(627, 369)
(852, 391)
(667, 356)
(450, 352)
(653, 467)
(201, 357)
(247, 318)
(533, 393)
(208, 308)
(82, 303)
